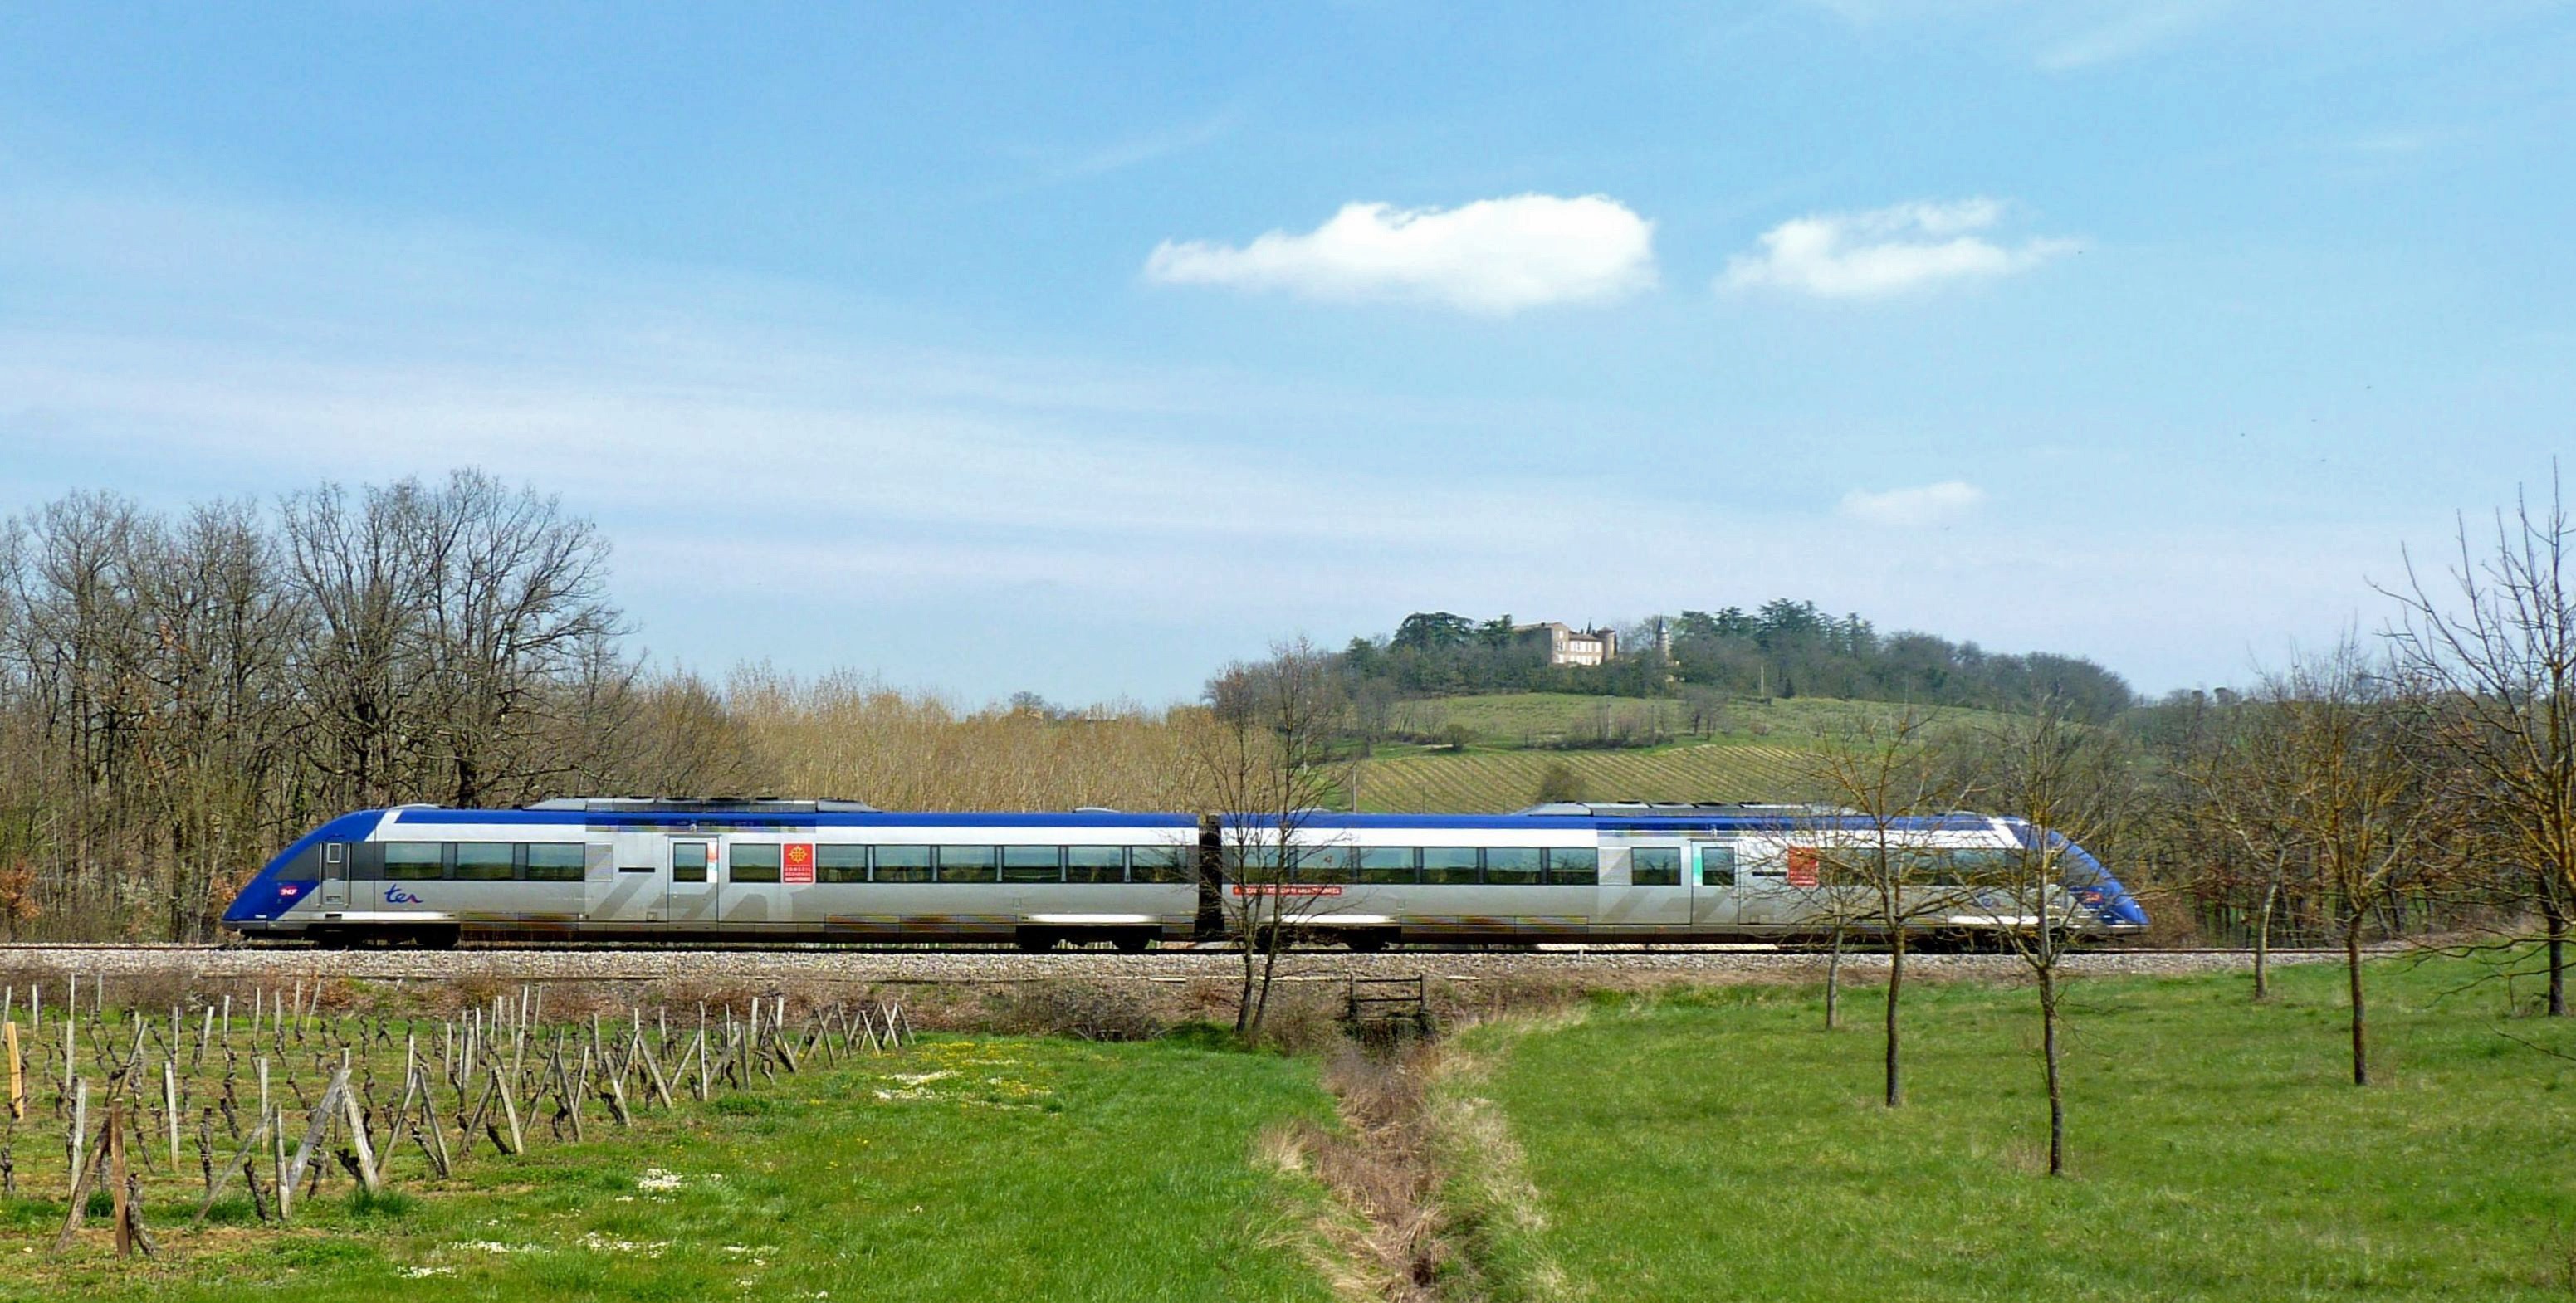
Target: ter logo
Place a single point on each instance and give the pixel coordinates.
(799, 862)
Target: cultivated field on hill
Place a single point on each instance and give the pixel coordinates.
(1749, 750)
(1547, 719)
(1507, 780)
(1720, 1144)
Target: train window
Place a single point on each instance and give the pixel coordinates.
(486, 861)
(1095, 864)
(840, 863)
(965, 863)
(1388, 865)
(1989, 865)
(688, 861)
(1324, 864)
(1573, 866)
(1511, 866)
(903, 864)
(752, 862)
(556, 862)
(1160, 864)
(414, 861)
(1453, 865)
(1717, 866)
(1655, 866)
(1032, 864)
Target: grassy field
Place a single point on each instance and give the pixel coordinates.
(1720, 1144)
(965, 1169)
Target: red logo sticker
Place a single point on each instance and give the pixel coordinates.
(1803, 862)
(800, 863)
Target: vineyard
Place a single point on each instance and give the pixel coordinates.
(1740, 749)
(1439, 782)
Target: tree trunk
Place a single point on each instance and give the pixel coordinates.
(2557, 956)
(1895, 986)
(2263, 943)
(2048, 1055)
(1251, 963)
(2360, 1017)
(1834, 982)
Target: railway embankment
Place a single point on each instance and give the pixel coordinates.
(828, 964)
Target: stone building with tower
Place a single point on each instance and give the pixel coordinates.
(1566, 645)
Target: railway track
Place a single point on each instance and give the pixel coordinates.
(790, 963)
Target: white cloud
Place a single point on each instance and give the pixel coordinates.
(1493, 255)
(1928, 504)
(1885, 251)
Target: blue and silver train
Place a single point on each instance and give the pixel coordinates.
(683, 871)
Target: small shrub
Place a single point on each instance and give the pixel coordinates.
(1077, 1009)
(381, 1203)
(1200, 1034)
(1559, 782)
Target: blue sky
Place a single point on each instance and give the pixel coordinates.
(1075, 350)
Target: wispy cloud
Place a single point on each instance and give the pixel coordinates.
(2055, 35)
(1928, 504)
(1137, 150)
(1490, 256)
(2124, 32)
(1886, 251)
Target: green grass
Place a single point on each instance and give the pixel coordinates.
(1720, 1144)
(964, 1169)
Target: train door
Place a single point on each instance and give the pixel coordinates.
(1776, 886)
(634, 892)
(692, 886)
(1644, 891)
(1712, 875)
(335, 875)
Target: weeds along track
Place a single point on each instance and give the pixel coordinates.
(537, 963)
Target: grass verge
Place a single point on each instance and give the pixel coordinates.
(970, 1168)
(1717, 1143)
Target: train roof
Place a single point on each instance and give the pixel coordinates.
(766, 815)
(1636, 818)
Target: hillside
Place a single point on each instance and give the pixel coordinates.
(1749, 751)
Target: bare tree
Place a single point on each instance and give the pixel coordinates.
(2363, 820)
(2249, 781)
(1888, 771)
(2064, 782)
(2494, 640)
(1263, 756)
(516, 607)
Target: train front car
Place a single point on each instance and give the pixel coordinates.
(2115, 911)
(285, 898)
(698, 870)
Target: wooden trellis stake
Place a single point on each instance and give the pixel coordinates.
(17, 1072)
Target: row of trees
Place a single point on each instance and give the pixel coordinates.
(1785, 648)
(180, 694)
(2427, 773)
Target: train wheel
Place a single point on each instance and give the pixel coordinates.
(436, 938)
(1365, 943)
(1036, 942)
(1132, 943)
